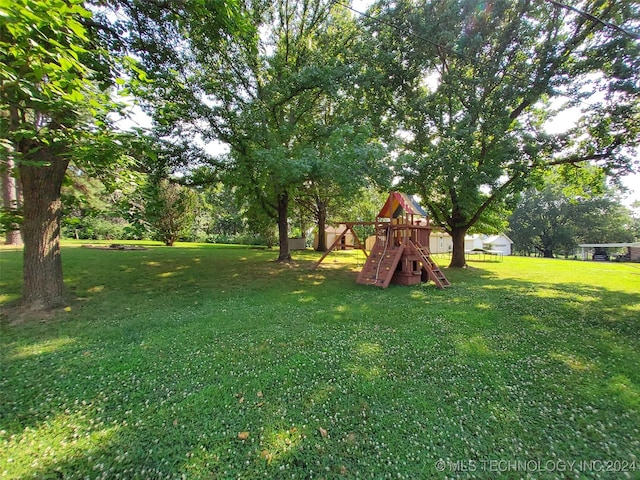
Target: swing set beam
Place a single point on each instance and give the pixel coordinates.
(338, 241)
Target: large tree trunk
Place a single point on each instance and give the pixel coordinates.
(283, 227)
(322, 225)
(545, 246)
(10, 202)
(458, 259)
(43, 281)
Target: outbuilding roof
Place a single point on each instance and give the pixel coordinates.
(610, 245)
(495, 238)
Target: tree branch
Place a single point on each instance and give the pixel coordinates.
(572, 160)
(498, 193)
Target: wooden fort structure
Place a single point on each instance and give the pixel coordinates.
(400, 253)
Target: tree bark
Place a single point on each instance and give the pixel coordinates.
(43, 281)
(546, 245)
(283, 227)
(10, 202)
(458, 259)
(322, 225)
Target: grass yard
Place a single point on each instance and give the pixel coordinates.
(204, 361)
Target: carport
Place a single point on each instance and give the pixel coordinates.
(602, 251)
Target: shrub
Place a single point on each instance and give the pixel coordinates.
(96, 228)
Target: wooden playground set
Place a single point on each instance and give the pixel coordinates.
(400, 254)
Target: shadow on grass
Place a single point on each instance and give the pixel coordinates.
(326, 377)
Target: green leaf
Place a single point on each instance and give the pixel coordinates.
(77, 28)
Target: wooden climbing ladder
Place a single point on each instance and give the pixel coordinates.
(380, 266)
(429, 265)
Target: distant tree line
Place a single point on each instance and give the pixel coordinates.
(554, 219)
(167, 210)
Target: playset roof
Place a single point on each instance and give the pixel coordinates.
(397, 203)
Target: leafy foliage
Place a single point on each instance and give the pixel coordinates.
(48, 96)
(554, 221)
(277, 93)
(53, 111)
(475, 85)
(170, 209)
(10, 219)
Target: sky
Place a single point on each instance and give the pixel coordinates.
(632, 182)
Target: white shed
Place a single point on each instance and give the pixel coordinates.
(498, 243)
(331, 233)
(440, 242)
(472, 242)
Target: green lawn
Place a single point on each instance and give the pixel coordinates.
(215, 362)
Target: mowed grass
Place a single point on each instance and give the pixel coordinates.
(203, 361)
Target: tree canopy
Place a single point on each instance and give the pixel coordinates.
(475, 84)
(275, 94)
(462, 93)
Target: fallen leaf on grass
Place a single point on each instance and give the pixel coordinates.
(267, 456)
(323, 432)
(243, 435)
